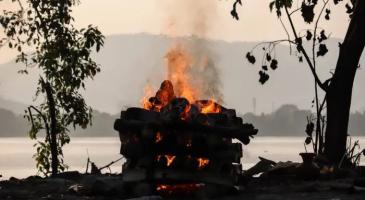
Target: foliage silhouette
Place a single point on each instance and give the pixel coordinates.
(63, 54)
(338, 89)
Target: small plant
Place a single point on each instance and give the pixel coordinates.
(314, 132)
(353, 153)
(309, 131)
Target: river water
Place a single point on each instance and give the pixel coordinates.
(16, 153)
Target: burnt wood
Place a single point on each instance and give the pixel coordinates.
(177, 131)
(141, 149)
(243, 133)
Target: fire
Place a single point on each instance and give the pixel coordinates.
(210, 107)
(179, 63)
(170, 159)
(179, 84)
(203, 162)
(148, 92)
(185, 114)
(179, 188)
(158, 137)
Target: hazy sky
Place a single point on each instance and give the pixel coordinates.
(179, 17)
(206, 18)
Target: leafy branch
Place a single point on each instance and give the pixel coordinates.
(63, 54)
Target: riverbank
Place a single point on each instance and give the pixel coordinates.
(73, 185)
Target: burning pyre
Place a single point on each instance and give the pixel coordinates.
(178, 143)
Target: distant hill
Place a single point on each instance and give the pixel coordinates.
(14, 125)
(15, 107)
(129, 61)
(288, 120)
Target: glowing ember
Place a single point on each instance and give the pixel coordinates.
(203, 162)
(210, 107)
(148, 91)
(158, 137)
(179, 188)
(185, 114)
(189, 142)
(170, 159)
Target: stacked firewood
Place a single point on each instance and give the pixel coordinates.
(173, 141)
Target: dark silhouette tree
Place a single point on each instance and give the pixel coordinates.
(337, 89)
(63, 55)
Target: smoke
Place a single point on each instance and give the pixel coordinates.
(193, 18)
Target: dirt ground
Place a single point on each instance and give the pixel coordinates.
(95, 187)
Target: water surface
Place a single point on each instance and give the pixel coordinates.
(16, 153)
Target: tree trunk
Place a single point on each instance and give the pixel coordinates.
(53, 136)
(340, 90)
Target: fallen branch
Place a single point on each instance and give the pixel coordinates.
(110, 164)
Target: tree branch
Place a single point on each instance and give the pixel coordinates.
(273, 42)
(294, 11)
(43, 118)
(315, 33)
(287, 33)
(110, 164)
(301, 48)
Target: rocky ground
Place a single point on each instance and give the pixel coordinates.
(94, 187)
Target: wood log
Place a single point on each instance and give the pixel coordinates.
(174, 111)
(140, 114)
(230, 113)
(242, 133)
(232, 153)
(217, 119)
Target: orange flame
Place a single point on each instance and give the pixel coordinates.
(158, 137)
(203, 162)
(210, 107)
(179, 64)
(148, 92)
(170, 159)
(179, 84)
(179, 188)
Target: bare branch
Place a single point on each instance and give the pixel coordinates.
(315, 33)
(294, 11)
(301, 48)
(274, 42)
(110, 164)
(287, 33)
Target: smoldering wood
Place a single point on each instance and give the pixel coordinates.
(243, 133)
(214, 119)
(226, 118)
(176, 143)
(141, 114)
(141, 149)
